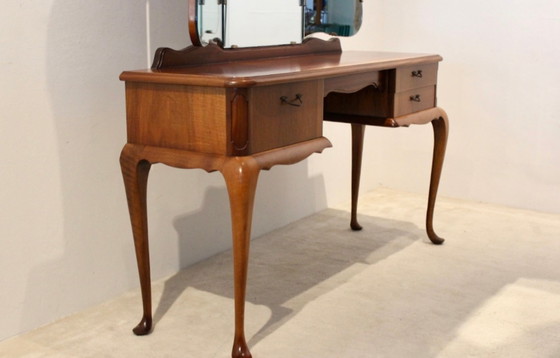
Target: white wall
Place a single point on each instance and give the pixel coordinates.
(65, 238)
(65, 241)
(499, 83)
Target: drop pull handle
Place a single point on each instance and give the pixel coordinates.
(296, 101)
(417, 73)
(416, 98)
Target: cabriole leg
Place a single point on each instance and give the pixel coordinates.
(441, 129)
(357, 150)
(240, 174)
(135, 174)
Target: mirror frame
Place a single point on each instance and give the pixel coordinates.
(193, 22)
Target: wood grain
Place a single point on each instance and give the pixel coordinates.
(406, 80)
(238, 118)
(180, 117)
(353, 83)
(403, 104)
(221, 110)
(240, 175)
(274, 124)
(166, 58)
(441, 133)
(193, 24)
(440, 123)
(370, 101)
(358, 131)
(283, 68)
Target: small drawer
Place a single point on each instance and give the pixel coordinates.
(411, 77)
(414, 100)
(284, 114)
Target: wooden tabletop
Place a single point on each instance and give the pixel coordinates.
(275, 70)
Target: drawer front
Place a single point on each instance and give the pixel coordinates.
(284, 114)
(177, 116)
(414, 100)
(419, 76)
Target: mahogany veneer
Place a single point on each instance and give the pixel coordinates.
(241, 111)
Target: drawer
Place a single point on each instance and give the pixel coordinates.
(414, 100)
(284, 114)
(419, 76)
(176, 116)
(401, 91)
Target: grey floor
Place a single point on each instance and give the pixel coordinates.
(318, 290)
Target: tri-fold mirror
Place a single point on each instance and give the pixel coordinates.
(250, 23)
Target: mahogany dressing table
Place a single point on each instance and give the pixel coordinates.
(240, 111)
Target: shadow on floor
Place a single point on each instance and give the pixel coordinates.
(290, 262)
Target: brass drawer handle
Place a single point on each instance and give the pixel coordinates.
(296, 102)
(416, 98)
(417, 73)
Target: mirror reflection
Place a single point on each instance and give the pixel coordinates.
(209, 20)
(263, 23)
(247, 23)
(334, 17)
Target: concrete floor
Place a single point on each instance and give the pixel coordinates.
(318, 290)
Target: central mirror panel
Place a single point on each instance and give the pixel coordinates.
(263, 23)
(250, 23)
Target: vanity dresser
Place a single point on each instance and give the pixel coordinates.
(240, 110)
